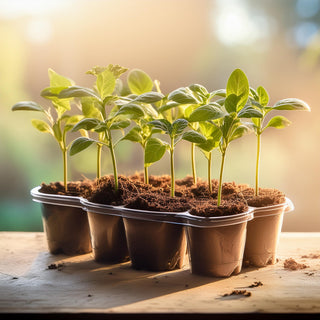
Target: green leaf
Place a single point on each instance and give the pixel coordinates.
(238, 85)
(51, 92)
(154, 151)
(263, 96)
(249, 112)
(71, 121)
(207, 112)
(229, 121)
(178, 126)
(162, 124)
(134, 110)
(90, 108)
(42, 126)
(231, 103)
(57, 131)
(57, 80)
(80, 144)
(87, 124)
(219, 92)
(291, 104)
(27, 106)
(169, 105)
(106, 83)
(78, 92)
(134, 135)
(278, 122)
(150, 97)
(193, 136)
(120, 124)
(240, 131)
(254, 94)
(200, 90)
(210, 131)
(208, 145)
(149, 110)
(183, 96)
(139, 82)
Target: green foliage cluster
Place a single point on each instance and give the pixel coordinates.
(208, 120)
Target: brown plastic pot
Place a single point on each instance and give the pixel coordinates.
(64, 222)
(216, 244)
(109, 244)
(156, 240)
(263, 234)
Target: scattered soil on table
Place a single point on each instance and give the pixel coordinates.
(256, 284)
(311, 256)
(291, 264)
(244, 293)
(266, 197)
(135, 194)
(76, 188)
(54, 266)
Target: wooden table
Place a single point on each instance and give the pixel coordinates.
(80, 286)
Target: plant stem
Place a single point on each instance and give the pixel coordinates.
(114, 163)
(209, 172)
(146, 175)
(99, 148)
(220, 178)
(172, 167)
(65, 168)
(256, 192)
(193, 163)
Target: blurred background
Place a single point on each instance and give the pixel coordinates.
(179, 42)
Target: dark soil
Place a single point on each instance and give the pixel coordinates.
(76, 188)
(244, 293)
(266, 197)
(155, 196)
(291, 264)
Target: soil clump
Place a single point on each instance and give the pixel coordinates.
(266, 197)
(291, 264)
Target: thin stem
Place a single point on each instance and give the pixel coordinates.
(193, 163)
(209, 172)
(65, 169)
(172, 167)
(99, 148)
(256, 192)
(220, 178)
(114, 163)
(146, 175)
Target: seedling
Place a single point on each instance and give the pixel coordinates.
(176, 132)
(259, 99)
(60, 124)
(187, 100)
(153, 148)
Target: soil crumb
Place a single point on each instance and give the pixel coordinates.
(291, 264)
(54, 266)
(266, 197)
(311, 256)
(256, 284)
(244, 293)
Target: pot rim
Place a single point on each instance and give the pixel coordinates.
(221, 221)
(100, 208)
(272, 210)
(55, 199)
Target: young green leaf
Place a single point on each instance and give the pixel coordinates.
(78, 92)
(139, 82)
(132, 109)
(162, 124)
(27, 106)
(183, 96)
(134, 135)
(207, 112)
(263, 96)
(80, 144)
(154, 151)
(291, 104)
(149, 97)
(278, 122)
(193, 136)
(249, 112)
(87, 124)
(42, 126)
(238, 85)
(106, 83)
(178, 126)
